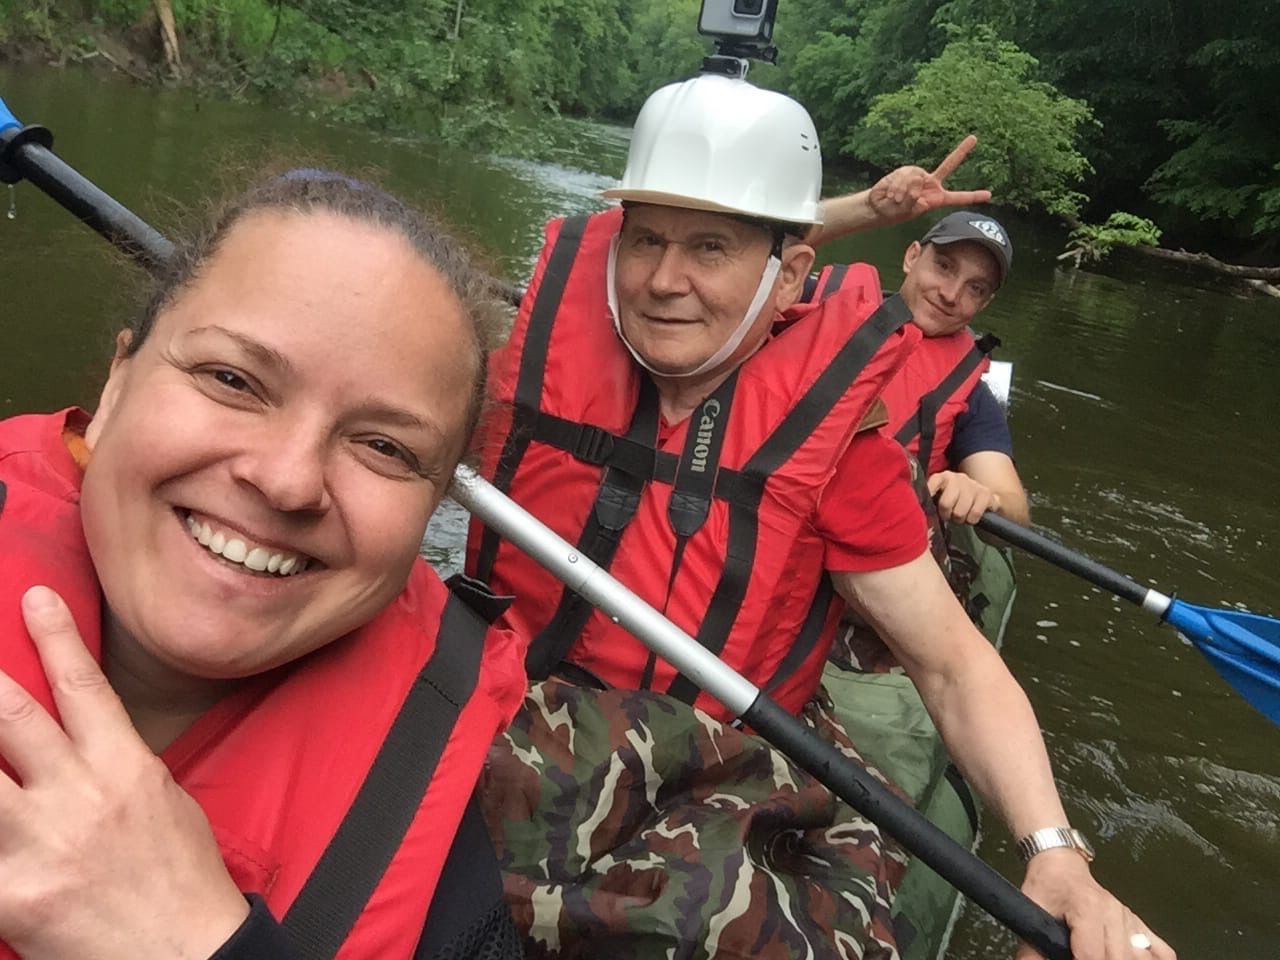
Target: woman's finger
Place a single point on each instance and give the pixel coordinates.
(92, 714)
(30, 740)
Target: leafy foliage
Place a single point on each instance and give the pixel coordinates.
(1028, 132)
(1090, 242)
(1165, 109)
(1225, 165)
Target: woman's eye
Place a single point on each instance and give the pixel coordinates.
(392, 451)
(231, 380)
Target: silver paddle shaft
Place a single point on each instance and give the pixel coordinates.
(587, 579)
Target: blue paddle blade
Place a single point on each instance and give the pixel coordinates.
(7, 119)
(1243, 647)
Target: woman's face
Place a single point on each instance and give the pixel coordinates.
(263, 468)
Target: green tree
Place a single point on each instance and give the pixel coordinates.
(1225, 165)
(1028, 132)
(836, 58)
(664, 47)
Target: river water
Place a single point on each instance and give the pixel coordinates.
(1146, 412)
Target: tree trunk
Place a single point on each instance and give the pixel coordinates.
(169, 37)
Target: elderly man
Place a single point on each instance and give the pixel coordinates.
(675, 412)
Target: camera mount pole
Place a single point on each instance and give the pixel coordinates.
(733, 57)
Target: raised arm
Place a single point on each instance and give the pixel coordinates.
(900, 195)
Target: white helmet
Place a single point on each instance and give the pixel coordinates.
(720, 144)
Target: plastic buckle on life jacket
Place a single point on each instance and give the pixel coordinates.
(593, 445)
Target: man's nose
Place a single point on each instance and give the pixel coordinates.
(670, 275)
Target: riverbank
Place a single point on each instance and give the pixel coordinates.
(138, 50)
(43, 36)
(282, 63)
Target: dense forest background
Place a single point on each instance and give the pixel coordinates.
(1151, 112)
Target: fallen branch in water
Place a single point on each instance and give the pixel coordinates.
(1089, 242)
(122, 67)
(1207, 262)
(1270, 289)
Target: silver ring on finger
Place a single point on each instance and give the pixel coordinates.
(1140, 941)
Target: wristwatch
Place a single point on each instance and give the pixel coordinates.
(1051, 838)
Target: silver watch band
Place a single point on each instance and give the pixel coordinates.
(1051, 838)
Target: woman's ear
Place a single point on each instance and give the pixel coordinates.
(797, 261)
(111, 390)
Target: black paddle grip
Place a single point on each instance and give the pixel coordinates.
(1060, 556)
(25, 153)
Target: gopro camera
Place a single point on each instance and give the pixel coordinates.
(743, 29)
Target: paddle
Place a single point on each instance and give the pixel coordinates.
(26, 154)
(1243, 647)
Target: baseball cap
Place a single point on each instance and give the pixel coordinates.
(977, 228)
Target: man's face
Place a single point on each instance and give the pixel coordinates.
(945, 286)
(684, 281)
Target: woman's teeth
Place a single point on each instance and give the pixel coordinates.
(257, 559)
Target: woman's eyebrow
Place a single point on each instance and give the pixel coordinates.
(375, 409)
(260, 352)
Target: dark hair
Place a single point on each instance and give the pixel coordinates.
(313, 190)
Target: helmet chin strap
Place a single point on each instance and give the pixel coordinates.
(767, 277)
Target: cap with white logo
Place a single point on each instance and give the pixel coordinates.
(976, 228)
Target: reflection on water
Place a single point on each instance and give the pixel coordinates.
(445, 536)
(1143, 411)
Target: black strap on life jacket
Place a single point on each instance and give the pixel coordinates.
(617, 500)
(924, 422)
(529, 381)
(632, 461)
(358, 854)
(807, 639)
(781, 445)
(819, 291)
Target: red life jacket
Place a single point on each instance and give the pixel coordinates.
(932, 390)
(712, 524)
(277, 764)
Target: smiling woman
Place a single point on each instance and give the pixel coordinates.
(235, 535)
